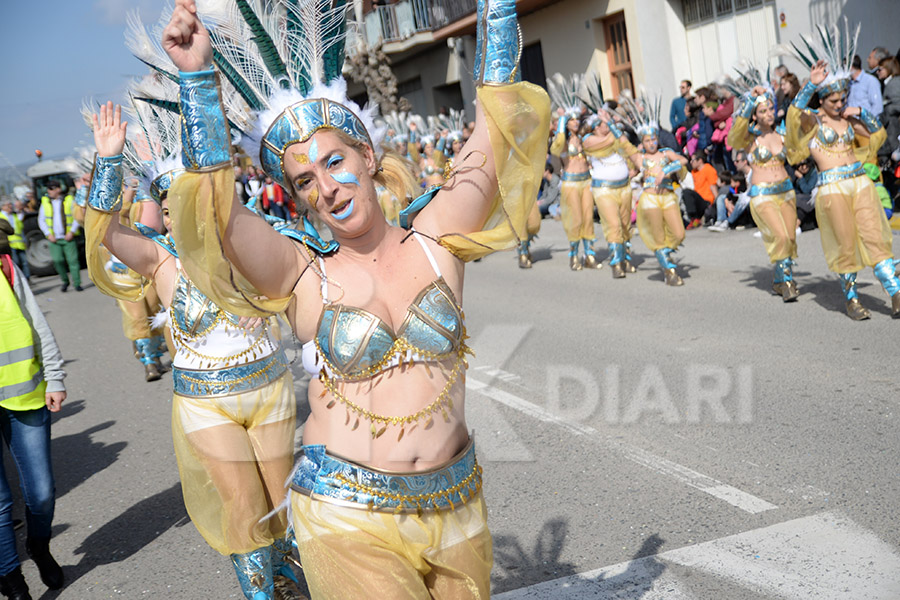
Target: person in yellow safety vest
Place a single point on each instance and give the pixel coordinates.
(56, 218)
(31, 387)
(16, 239)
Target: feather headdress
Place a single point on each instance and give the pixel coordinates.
(284, 58)
(454, 122)
(642, 112)
(834, 45)
(564, 94)
(748, 77)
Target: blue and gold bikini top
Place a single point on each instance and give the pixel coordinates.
(351, 343)
(826, 137)
(762, 156)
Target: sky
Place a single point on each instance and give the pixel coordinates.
(54, 54)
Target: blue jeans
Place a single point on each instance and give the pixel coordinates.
(21, 260)
(27, 435)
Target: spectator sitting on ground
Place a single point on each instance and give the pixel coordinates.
(697, 201)
(548, 195)
(723, 182)
(738, 198)
(806, 180)
(865, 90)
(676, 111)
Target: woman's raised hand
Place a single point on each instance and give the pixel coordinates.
(186, 40)
(109, 130)
(818, 73)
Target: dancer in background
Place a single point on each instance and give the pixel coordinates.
(854, 229)
(773, 203)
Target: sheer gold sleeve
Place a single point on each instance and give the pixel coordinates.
(800, 127)
(739, 137)
(518, 117)
(127, 285)
(200, 203)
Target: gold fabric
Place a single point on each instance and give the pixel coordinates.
(352, 553)
(801, 126)
(233, 472)
(518, 118)
(739, 136)
(130, 286)
(533, 224)
(136, 315)
(659, 220)
(576, 210)
(200, 203)
(614, 208)
(776, 217)
(852, 224)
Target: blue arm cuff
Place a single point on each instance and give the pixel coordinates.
(561, 124)
(803, 98)
(672, 167)
(497, 43)
(106, 184)
(614, 129)
(869, 120)
(442, 143)
(747, 107)
(205, 137)
(81, 196)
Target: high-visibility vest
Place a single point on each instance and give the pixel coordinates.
(68, 209)
(16, 241)
(22, 385)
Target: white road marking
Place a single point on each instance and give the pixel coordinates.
(735, 497)
(819, 557)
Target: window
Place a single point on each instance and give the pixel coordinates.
(723, 7)
(532, 65)
(618, 54)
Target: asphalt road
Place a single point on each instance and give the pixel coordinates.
(638, 441)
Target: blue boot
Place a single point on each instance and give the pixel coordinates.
(285, 581)
(574, 262)
(145, 347)
(668, 267)
(590, 258)
(525, 253)
(617, 260)
(855, 310)
(783, 283)
(254, 573)
(884, 271)
(626, 264)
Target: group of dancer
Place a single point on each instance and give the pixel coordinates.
(386, 495)
(605, 146)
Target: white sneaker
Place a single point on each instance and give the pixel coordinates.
(720, 226)
(758, 234)
(799, 231)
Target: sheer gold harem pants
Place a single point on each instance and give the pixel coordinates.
(576, 209)
(234, 454)
(854, 229)
(614, 208)
(659, 220)
(776, 217)
(352, 553)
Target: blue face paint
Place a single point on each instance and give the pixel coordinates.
(347, 212)
(342, 176)
(313, 151)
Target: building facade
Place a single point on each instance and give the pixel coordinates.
(627, 43)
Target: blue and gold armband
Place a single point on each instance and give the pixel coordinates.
(803, 98)
(747, 106)
(614, 129)
(561, 124)
(869, 120)
(106, 184)
(81, 196)
(497, 43)
(672, 167)
(205, 137)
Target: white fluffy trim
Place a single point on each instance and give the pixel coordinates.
(159, 320)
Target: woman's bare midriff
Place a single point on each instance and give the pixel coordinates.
(831, 160)
(399, 391)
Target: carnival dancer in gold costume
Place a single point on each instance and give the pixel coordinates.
(233, 408)
(658, 213)
(853, 227)
(772, 200)
(576, 203)
(387, 494)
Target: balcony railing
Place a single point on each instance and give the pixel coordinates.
(406, 18)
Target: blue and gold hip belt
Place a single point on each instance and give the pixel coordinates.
(322, 476)
(230, 380)
(576, 176)
(603, 183)
(841, 173)
(770, 189)
(650, 184)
